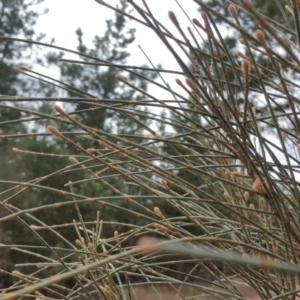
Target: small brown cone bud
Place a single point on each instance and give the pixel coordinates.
(34, 227)
(245, 68)
(78, 242)
(261, 38)
(197, 23)
(191, 84)
(59, 110)
(173, 18)
(258, 187)
(246, 196)
(18, 273)
(116, 234)
(163, 182)
(226, 195)
(120, 78)
(54, 131)
(232, 11)
(91, 247)
(241, 54)
(242, 41)
(204, 16)
(91, 150)
(73, 160)
(238, 175)
(227, 175)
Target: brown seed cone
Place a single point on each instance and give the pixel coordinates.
(258, 187)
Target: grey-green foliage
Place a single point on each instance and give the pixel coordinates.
(15, 22)
(35, 161)
(17, 19)
(233, 188)
(275, 11)
(279, 14)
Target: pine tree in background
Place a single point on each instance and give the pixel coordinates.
(79, 81)
(17, 20)
(98, 80)
(84, 80)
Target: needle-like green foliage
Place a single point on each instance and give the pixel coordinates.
(208, 183)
